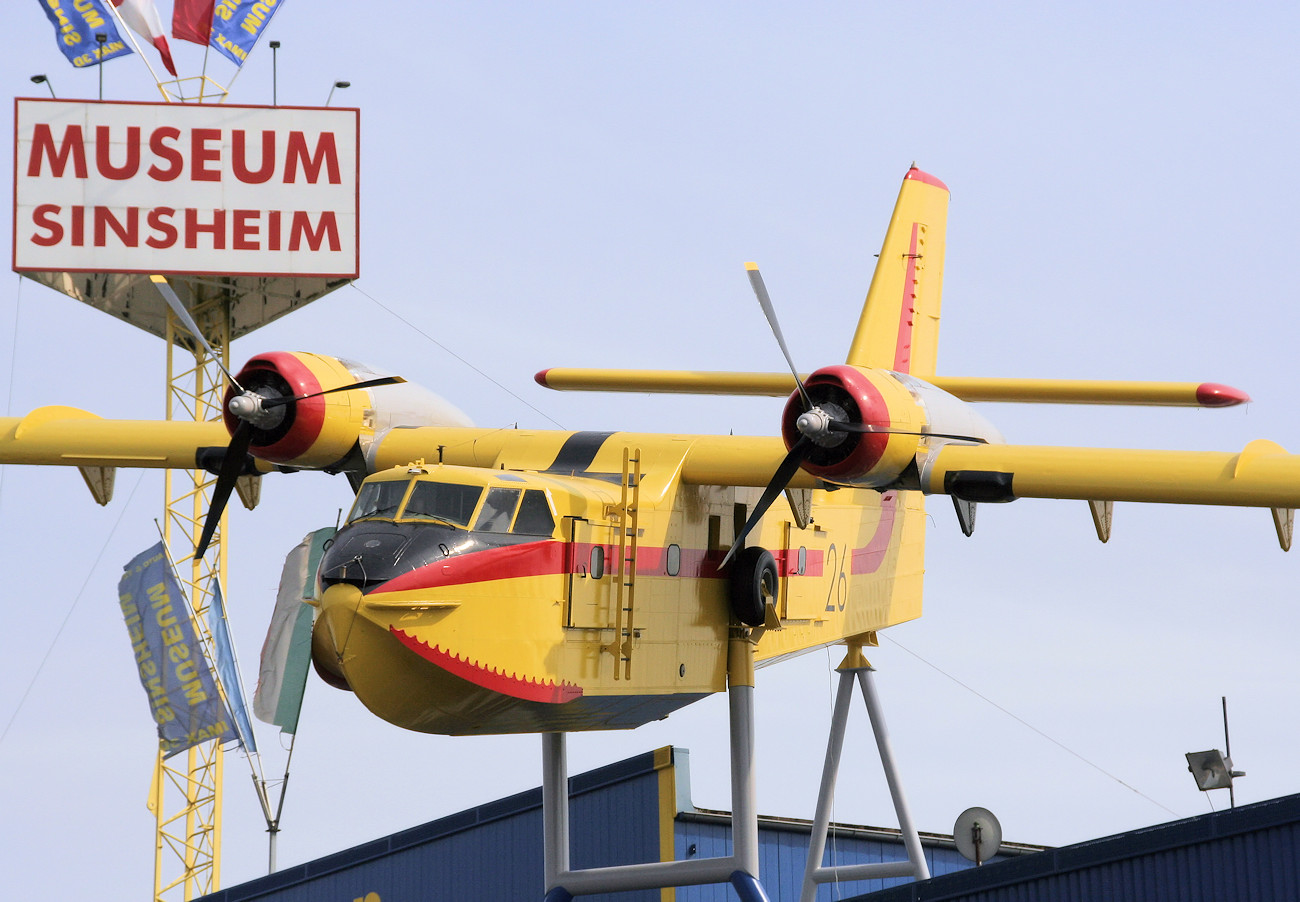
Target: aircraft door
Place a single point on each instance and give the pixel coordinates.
(589, 560)
(799, 599)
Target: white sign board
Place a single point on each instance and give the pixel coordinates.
(185, 189)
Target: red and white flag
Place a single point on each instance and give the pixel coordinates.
(142, 18)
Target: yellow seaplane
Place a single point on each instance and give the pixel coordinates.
(514, 580)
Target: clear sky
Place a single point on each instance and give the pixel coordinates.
(580, 184)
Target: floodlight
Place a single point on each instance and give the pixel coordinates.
(1212, 770)
(44, 80)
(337, 85)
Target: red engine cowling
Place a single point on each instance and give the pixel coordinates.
(321, 432)
(857, 397)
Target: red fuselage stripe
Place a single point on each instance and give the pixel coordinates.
(552, 558)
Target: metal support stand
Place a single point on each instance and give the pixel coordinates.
(856, 665)
(740, 869)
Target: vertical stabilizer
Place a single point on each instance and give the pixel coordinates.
(899, 329)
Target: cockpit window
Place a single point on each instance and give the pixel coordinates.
(444, 501)
(378, 499)
(534, 517)
(497, 510)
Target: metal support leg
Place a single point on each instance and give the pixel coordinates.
(555, 809)
(855, 665)
(910, 838)
(740, 869)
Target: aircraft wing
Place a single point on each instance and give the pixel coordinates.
(1261, 475)
(71, 437)
(705, 459)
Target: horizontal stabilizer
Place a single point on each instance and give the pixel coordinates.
(1039, 391)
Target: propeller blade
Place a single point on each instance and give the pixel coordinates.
(760, 291)
(169, 295)
(780, 480)
(231, 466)
(867, 428)
(270, 403)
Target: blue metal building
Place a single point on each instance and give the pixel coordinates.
(637, 810)
(1246, 854)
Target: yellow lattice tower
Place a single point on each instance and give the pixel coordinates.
(186, 792)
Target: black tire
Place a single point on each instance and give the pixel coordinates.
(753, 582)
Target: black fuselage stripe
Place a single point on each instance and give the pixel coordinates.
(577, 452)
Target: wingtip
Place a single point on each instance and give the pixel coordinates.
(918, 175)
(1212, 394)
(540, 377)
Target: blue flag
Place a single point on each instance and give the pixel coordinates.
(228, 670)
(76, 22)
(237, 24)
(183, 696)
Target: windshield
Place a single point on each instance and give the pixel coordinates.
(444, 501)
(378, 499)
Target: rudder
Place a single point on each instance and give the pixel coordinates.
(899, 327)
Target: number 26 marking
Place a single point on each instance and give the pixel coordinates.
(837, 593)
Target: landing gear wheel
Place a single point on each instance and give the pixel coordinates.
(753, 584)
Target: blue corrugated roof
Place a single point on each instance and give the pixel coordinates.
(1246, 854)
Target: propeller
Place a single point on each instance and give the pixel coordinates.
(823, 425)
(256, 411)
(169, 295)
(813, 422)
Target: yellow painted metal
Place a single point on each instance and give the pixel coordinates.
(701, 459)
(1075, 391)
(779, 385)
(899, 328)
(1262, 475)
(625, 515)
(186, 794)
(65, 435)
(666, 775)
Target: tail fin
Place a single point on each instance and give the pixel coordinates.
(899, 328)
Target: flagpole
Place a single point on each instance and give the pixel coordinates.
(130, 36)
(210, 653)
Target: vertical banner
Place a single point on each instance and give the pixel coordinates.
(183, 696)
(286, 654)
(237, 24)
(76, 22)
(228, 669)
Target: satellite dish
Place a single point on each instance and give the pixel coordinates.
(978, 834)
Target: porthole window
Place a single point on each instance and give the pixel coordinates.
(674, 561)
(597, 562)
(803, 561)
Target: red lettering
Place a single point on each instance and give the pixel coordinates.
(166, 152)
(216, 228)
(160, 221)
(43, 216)
(78, 226)
(273, 230)
(245, 232)
(239, 158)
(327, 227)
(128, 234)
(73, 147)
(326, 153)
(103, 144)
(201, 154)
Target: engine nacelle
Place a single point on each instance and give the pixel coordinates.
(858, 397)
(321, 432)
(908, 416)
